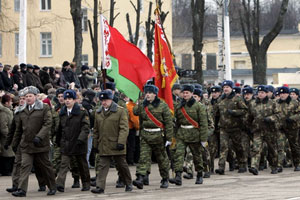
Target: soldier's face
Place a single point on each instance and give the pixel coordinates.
(150, 96)
(61, 99)
(22, 100)
(215, 95)
(284, 96)
(294, 95)
(176, 92)
(270, 94)
(187, 95)
(197, 98)
(106, 103)
(248, 96)
(261, 94)
(30, 98)
(227, 89)
(69, 102)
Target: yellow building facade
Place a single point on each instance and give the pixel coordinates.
(50, 32)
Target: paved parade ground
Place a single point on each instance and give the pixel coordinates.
(231, 186)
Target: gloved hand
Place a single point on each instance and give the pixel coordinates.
(120, 147)
(289, 120)
(168, 143)
(230, 112)
(267, 120)
(37, 141)
(204, 144)
(79, 142)
(96, 150)
(6, 147)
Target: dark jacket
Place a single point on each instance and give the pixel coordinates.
(18, 79)
(44, 77)
(30, 124)
(38, 82)
(29, 79)
(71, 129)
(8, 82)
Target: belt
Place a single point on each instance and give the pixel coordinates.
(187, 126)
(152, 129)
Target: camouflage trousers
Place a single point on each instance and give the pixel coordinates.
(160, 153)
(196, 151)
(188, 161)
(292, 136)
(236, 138)
(258, 140)
(281, 143)
(56, 161)
(213, 149)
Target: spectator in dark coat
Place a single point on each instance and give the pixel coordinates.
(67, 76)
(7, 78)
(36, 75)
(18, 77)
(1, 81)
(44, 76)
(23, 67)
(29, 79)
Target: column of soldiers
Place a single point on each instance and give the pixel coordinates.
(245, 127)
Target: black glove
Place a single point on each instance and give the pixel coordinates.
(37, 141)
(289, 120)
(96, 150)
(120, 147)
(267, 120)
(230, 112)
(79, 142)
(6, 147)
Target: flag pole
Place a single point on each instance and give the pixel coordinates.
(103, 70)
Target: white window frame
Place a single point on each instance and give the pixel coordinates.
(85, 25)
(17, 5)
(85, 61)
(17, 42)
(47, 42)
(47, 8)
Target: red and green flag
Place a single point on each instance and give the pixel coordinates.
(124, 62)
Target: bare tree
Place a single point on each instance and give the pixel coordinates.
(94, 36)
(250, 23)
(77, 22)
(134, 40)
(198, 10)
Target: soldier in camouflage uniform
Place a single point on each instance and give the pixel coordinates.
(156, 134)
(214, 139)
(263, 115)
(290, 116)
(230, 108)
(57, 154)
(191, 120)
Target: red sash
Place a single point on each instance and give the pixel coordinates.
(153, 119)
(193, 122)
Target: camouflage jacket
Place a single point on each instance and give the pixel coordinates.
(230, 121)
(198, 113)
(160, 110)
(209, 112)
(289, 109)
(260, 110)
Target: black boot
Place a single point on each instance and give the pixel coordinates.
(177, 180)
(280, 169)
(297, 169)
(188, 176)
(274, 171)
(164, 183)
(19, 193)
(242, 170)
(97, 190)
(199, 179)
(206, 175)
(128, 188)
(12, 189)
(231, 166)
(42, 188)
(253, 171)
(146, 179)
(220, 171)
(51, 192)
(76, 183)
(60, 188)
(120, 183)
(139, 182)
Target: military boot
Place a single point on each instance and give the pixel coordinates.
(128, 188)
(42, 188)
(199, 179)
(177, 180)
(274, 171)
(253, 171)
(119, 183)
(206, 175)
(164, 183)
(76, 183)
(146, 179)
(97, 190)
(139, 182)
(19, 193)
(220, 171)
(188, 176)
(12, 189)
(297, 169)
(231, 166)
(242, 170)
(280, 169)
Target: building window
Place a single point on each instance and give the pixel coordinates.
(211, 61)
(46, 45)
(186, 61)
(17, 5)
(45, 4)
(84, 20)
(0, 45)
(239, 64)
(85, 59)
(16, 44)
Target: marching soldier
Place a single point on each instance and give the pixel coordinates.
(72, 138)
(156, 134)
(263, 115)
(230, 108)
(109, 140)
(34, 137)
(191, 120)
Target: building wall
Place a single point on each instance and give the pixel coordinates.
(58, 21)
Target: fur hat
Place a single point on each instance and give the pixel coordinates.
(215, 89)
(21, 93)
(109, 85)
(247, 90)
(36, 67)
(84, 67)
(227, 83)
(283, 90)
(31, 90)
(198, 92)
(176, 86)
(262, 88)
(151, 89)
(295, 90)
(105, 94)
(237, 90)
(60, 91)
(30, 66)
(270, 88)
(188, 87)
(70, 94)
(197, 85)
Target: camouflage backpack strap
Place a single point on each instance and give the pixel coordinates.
(153, 119)
(188, 118)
